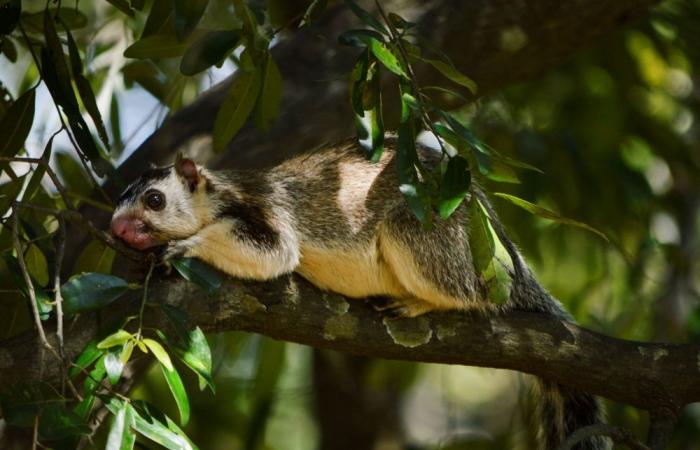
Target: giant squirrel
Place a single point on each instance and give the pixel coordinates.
(341, 222)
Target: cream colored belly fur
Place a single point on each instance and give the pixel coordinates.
(352, 272)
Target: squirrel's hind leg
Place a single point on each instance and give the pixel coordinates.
(434, 266)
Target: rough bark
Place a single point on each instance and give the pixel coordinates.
(652, 376)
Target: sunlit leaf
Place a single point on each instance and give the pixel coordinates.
(16, 123)
(547, 214)
(209, 49)
(197, 272)
(114, 365)
(159, 352)
(237, 106)
(195, 352)
(179, 393)
(121, 435)
(117, 338)
(88, 356)
(454, 186)
(160, 433)
(89, 291)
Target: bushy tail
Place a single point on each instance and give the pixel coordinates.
(561, 410)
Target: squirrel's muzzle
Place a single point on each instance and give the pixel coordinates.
(133, 231)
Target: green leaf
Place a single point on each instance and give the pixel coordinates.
(236, 108)
(369, 121)
(95, 378)
(156, 46)
(547, 214)
(256, 44)
(126, 352)
(270, 94)
(36, 264)
(209, 49)
(387, 57)
(89, 355)
(38, 175)
(84, 407)
(161, 19)
(197, 272)
(59, 423)
(451, 73)
(16, 123)
(366, 17)
(455, 185)
(148, 76)
(123, 6)
(10, 12)
(407, 161)
(71, 17)
(359, 38)
(160, 433)
(313, 12)
(481, 241)
(159, 353)
(96, 257)
(89, 291)
(114, 365)
(179, 393)
(187, 15)
(74, 175)
(85, 90)
(56, 76)
(121, 436)
(7, 47)
(197, 355)
(117, 338)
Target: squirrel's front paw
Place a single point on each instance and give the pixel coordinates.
(174, 249)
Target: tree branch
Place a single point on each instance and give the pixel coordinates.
(651, 376)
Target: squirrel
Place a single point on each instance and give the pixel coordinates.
(339, 221)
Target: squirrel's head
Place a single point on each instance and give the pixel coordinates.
(163, 204)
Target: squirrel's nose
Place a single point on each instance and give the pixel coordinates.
(121, 226)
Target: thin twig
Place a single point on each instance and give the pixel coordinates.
(145, 296)
(27, 279)
(58, 299)
(617, 434)
(35, 432)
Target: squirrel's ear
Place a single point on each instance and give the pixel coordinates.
(188, 171)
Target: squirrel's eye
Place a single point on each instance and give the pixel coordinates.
(154, 200)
